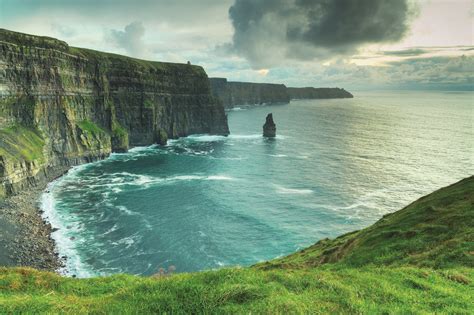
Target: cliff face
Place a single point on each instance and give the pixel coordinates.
(314, 93)
(246, 93)
(62, 106)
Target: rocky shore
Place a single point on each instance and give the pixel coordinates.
(25, 238)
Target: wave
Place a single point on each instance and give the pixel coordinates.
(114, 181)
(292, 191)
(205, 138)
(126, 210)
(63, 240)
(199, 177)
(237, 109)
(246, 137)
(220, 177)
(142, 149)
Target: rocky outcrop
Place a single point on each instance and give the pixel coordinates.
(315, 93)
(62, 106)
(247, 93)
(269, 128)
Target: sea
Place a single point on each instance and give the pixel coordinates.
(207, 202)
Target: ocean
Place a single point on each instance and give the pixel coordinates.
(205, 202)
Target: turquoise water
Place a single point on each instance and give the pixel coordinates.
(205, 202)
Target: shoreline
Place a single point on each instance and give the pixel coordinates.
(25, 237)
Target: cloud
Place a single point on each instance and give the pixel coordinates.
(406, 52)
(444, 73)
(130, 39)
(63, 30)
(268, 32)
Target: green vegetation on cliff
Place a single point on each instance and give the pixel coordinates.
(89, 126)
(21, 143)
(134, 62)
(417, 260)
(436, 231)
(120, 139)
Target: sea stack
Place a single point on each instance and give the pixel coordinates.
(269, 128)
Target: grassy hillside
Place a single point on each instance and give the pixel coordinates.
(417, 260)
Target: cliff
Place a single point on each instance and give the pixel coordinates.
(315, 93)
(247, 93)
(62, 106)
(418, 260)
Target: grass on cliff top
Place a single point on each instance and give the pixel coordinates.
(404, 264)
(402, 290)
(21, 143)
(156, 65)
(435, 231)
(28, 40)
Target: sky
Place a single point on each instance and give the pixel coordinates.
(355, 44)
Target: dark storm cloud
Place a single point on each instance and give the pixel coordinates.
(269, 31)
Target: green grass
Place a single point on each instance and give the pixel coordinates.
(415, 261)
(158, 66)
(436, 231)
(366, 290)
(21, 143)
(120, 139)
(149, 104)
(91, 127)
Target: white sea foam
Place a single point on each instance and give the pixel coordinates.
(220, 177)
(199, 177)
(184, 177)
(126, 210)
(236, 109)
(141, 149)
(62, 237)
(279, 155)
(112, 229)
(114, 181)
(292, 191)
(206, 138)
(245, 137)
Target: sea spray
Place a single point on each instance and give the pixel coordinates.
(63, 230)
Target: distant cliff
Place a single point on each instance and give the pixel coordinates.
(247, 93)
(62, 106)
(314, 93)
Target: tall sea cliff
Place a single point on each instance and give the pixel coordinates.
(317, 93)
(232, 93)
(63, 106)
(248, 93)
